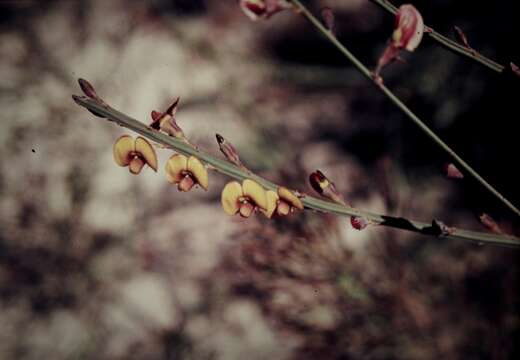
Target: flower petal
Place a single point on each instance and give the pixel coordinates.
(175, 165)
(122, 150)
(230, 196)
(289, 197)
(255, 192)
(199, 172)
(147, 152)
(136, 165)
(272, 201)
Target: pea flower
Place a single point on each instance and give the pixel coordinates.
(186, 172)
(243, 198)
(409, 28)
(408, 33)
(283, 201)
(263, 9)
(134, 153)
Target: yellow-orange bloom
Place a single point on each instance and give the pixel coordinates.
(243, 198)
(283, 202)
(186, 172)
(134, 153)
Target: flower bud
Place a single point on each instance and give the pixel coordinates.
(326, 188)
(228, 150)
(263, 9)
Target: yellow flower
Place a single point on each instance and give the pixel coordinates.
(283, 201)
(186, 172)
(134, 153)
(243, 199)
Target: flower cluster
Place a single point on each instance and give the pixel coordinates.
(186, 172)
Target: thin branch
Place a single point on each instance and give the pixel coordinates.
(448, 43)
(404, 109)
(225, 167)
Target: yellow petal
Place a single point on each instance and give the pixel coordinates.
(147, 152)
(255, 192)
(122, 150)
(198, 171)
(136, 164)
(175, 165)
(289, 197)
(272, 200)
(229, 198)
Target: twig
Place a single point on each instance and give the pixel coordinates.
(404, 109)
(448, 43)
(309, 202)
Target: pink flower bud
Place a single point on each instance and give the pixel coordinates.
(263, 9)
(409, 28)
(359, 222)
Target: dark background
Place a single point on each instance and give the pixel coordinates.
(97, 263)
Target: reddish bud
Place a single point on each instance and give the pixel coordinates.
(490, 223)
(228, 150)
(514, 68)
(326, 188)
(462, 37)
(452, 172)
(263, 9)
(88, 89)
(166, 121)
(359, 222)
(155, 115)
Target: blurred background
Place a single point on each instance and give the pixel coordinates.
(98, 264)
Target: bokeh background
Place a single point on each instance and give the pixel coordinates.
(98, 264)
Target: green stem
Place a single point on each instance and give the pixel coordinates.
(309, 202)
(448, 43)
(365, 71)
